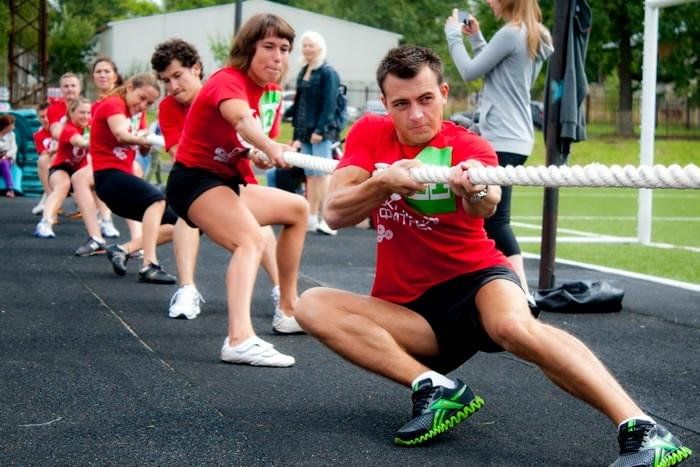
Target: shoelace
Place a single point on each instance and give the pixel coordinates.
(632, 441)
(196, 296)
(421, 399)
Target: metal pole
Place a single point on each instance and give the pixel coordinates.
(555, 80)
(239, 14)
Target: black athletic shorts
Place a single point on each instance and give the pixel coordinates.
(67, 168)
(186, 184)
(450, 309)
(129, 196)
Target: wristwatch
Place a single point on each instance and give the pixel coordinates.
(477, 197)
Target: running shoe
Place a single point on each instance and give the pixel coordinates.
(275, 295)
(138, 254)
(108, 230)
(38, 209)
(185, 303)
(312, 224)
(117, 256)
(323, 228)
(44, 230)
(154, 274)
(256, 352)
(643, 443)
(93, 246)
(283, 324)
(436, 409)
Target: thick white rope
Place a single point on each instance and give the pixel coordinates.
(592, 175)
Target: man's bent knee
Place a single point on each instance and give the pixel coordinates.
(310, 307)
(514, 334)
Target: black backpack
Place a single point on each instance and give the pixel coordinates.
(341, 108)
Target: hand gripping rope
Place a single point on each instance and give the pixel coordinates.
(592, 175)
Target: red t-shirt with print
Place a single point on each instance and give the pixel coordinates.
(171, 117)
(106, 151)
(67, 154)
(56, 111)
(42, 141)
(209, 141)
(428, 238)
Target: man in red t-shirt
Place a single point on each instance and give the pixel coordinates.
(442, 290)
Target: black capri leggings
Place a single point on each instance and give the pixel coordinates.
(498, 225)
(129, 196)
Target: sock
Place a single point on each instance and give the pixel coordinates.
(642, 417)
(436, 378)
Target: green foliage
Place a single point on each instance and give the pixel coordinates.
(70, 43)
(179, 5)
(220, 47)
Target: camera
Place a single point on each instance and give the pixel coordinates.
(464, 17)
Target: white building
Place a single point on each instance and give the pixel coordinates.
(353, 49)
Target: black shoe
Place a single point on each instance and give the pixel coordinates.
(118, 257)
(646, 444)
(154, 274)
(436, 409)
(92, 247)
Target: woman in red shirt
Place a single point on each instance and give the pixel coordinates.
(235, 110)
(70, 156)
(105, 77)
(113, 141)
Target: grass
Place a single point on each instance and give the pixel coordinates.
(612, 211)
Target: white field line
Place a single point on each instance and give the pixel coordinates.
(610, 218)
(581, 240)
(592, 237)
(621, 272)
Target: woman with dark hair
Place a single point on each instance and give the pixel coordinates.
(8, 151)
(179, 67)
(113, 139)
(237, 109)
(105, 77)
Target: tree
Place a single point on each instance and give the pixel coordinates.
(70, 43)
(616, 46)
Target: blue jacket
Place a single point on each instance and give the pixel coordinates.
(314, 104)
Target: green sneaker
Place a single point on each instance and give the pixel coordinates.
(436, 409)
(646, 444)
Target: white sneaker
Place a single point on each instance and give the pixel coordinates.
(312, 224)
(284, 324)
(323, 228)
(185, 303)
(275, 294)
(108, 230)
(44, 230)
(256, 352)
(38, 209)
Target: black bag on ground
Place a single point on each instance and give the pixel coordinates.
(581, 297)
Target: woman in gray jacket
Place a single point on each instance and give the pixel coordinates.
(509, 64)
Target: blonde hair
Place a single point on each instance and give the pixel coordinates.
(75, 103)
(137, 81)
(318, 40)
(527, 13)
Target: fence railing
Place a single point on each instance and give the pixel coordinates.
(676, 117)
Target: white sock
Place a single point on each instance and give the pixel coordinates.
(436, 378)
(643, 417)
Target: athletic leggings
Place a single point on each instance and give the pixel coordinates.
(6, 173)
(498, 225)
